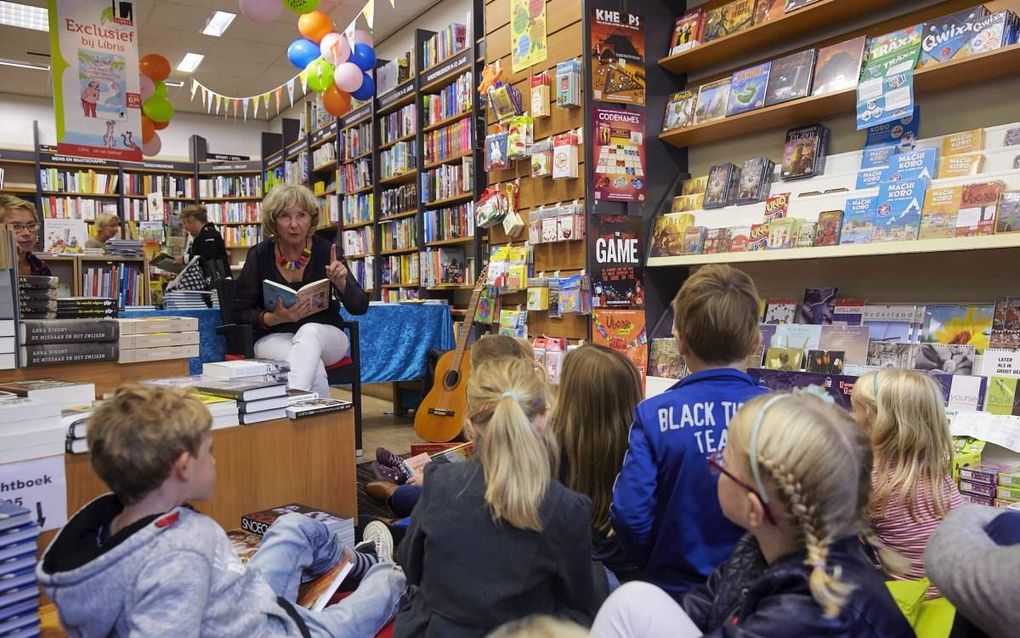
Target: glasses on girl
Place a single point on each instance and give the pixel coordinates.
(716, 466)
(32, 226)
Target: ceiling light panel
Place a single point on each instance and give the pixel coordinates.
(24, 16)
(190, 62)
(218, 23)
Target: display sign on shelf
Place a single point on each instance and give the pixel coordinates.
(528, 34)
(619, 155)
(617, 57)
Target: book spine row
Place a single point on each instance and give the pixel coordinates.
(356, 209)
(355, 142)
(234, 212)
(168, 185)
(448, 141)
(454, 222)
(401, 199)
(56, 207)
(84, 182)
(231, 186)
(398, 159)
(241, 236)
(330, 207)
(323, 155)
(393, 295)
(396, 125)
(452, 100)
(363, 271)
(355, 176)
(444, 182)
(359, 241)
(445, 43)
(399, 234)
(400, 270)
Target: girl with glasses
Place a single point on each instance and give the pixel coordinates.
(20, 216)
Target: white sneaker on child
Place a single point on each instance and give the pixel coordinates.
(379, 535)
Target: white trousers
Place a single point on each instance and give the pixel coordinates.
(641, 610)
(308, 351)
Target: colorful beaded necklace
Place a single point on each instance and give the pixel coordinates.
(294, 264)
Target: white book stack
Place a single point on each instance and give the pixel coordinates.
(19, 590)
(158, 339)
(29, 429)
(223, 411)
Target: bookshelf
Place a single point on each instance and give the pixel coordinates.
(175, 181)
(232, 194)
(76, 188)
(357, 192)
(18, 173)
(322, 145)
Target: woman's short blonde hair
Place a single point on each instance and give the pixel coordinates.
(282, 197)
(10, 203)
(106, 218)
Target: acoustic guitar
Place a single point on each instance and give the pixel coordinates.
(441, 414)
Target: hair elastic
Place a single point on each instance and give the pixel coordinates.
(510, 394)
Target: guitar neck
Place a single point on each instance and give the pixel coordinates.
(469, 320)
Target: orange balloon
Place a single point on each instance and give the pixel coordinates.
(155, 66)
(159, 126)
(337, 102)
(148, 130)
(314, 25)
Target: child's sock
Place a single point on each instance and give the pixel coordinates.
(364, 558)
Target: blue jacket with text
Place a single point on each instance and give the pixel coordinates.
(665, 507)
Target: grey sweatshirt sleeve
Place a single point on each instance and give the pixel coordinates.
(980, 577)
(172, 596)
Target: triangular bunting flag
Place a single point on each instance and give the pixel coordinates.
(304, 81)
(194, 88)
(278, 94)
(349, 31)
(265, 102)
(244, 107)
(290, 91)
(219, 103)
(255, 109)
(208, 101)
(369, 12)
(236, 104)
(393, 4)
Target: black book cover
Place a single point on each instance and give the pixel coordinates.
(39, 331)
(790, 77)
(52, 353)
(616, 276)
(37, 282)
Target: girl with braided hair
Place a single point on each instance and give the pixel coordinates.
(792, 475)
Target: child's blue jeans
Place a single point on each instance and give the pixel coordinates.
(296, 544)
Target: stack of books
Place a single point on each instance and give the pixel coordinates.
(158, 339)
(124, 247)
(19, 591)
(8, 358)
(190, 299)
(74, 421)
(340, 526)
(224, 411)
(50, 341)
(258, 386)
(31, 429)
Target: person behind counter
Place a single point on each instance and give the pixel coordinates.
(307, 338)
(107, 227)
(206, 243)
(20, 215)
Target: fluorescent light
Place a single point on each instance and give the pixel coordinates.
(22, 15)
(218, 23)
(190, 62)
(41, 66)
(173, 83)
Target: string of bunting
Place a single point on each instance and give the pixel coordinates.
(229, 105)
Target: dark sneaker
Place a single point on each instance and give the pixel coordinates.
(385, 457)
(387, 473)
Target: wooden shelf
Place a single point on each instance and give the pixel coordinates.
(463, 197)
(413, 284)
(406, 138)
(849, 251)
(450, 160)
(442, 287)
(238, 223)
(396, 216)
(745, 43)
(447, 121)
(357, 191)
(450, 242)
(404, 178)
(251, 198)
(358, 225)
(331, 191)
(324, 167)
(25, 190)
(350, 160)
(165, 198)
(92, 195)
(399, 251)
(358, 256)
(977, 68)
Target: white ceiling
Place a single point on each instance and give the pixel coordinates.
(248, 59)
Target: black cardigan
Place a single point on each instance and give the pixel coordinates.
(261, 264)
(474, 575)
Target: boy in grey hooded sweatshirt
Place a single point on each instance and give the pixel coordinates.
(140, 562)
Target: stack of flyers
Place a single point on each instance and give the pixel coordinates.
(886, 88)
(755, 180)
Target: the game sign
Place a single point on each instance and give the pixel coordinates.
(94, 46)
(617, 57)
(615, 244)
(619, 155)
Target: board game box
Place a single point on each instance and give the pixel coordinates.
(902, 133)
(790, 77)
(964, 142)
(1007, 217)
(828, 228)
(668, 234)
(949, 36)
(898, 210)
(680, 110)
(804, 152)
(747, 90)
(978, 204)
(717, 240)
(619, 152)
(806, 234)
(839, 66)
(723, 180)
(993, 32)
(623, 331)
(938, 216)
(618, 57)
(728, 19)
(693, 185)
(921, 163)
(858, 221)
(616, 246)
(755, 180)
(687, 31)
(769, 10)
(687, 203)
(713, 99)
(793, 5)
(783, 233)
(870, 177)
(694, 240)
(960, 165)
(776, 207)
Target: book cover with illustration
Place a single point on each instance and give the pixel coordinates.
(687, 31)
(680, 110)
(728, 19)
(851, 340)
(623, 331)
(615, 243)
(316, 293)
(958, 324)
(839, 66)
(804, 152)
(747, 90)
(1007, 217)
(978, 205)
(618, 57)
(858, 221)
(618, 150)
(921, 163)
(948, 37)
(938, 215)
(665, 360)
(829, 228)
(316, 595)
(898, 210)
(65, 236)
(713, 99)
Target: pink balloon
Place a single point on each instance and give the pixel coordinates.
(153, 146)
(145, 86)
(363, 37)
(260, 10)
(335, 48)
(348, 77)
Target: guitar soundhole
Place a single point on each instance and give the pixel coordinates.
(451, 379)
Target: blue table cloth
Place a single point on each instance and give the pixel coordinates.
(395, 338)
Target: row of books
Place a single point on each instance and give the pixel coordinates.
(241, 236)
(700, 26)
(449, 180)
(234, 212)
(323, 156)
(329, 208)
(836, 67)
(398, 159)
(389, 75)
(452, 100)
(354, 141)
(445, 43)
(8, 301)
(454, 222)
(400, 270)
(230, 186)
(352, 176)
(443, 266)
(168, 185)
(295, 170)
(19, 590)
(396, 295)
(67, 181)
(57, 207)
(449, 141)
(356, 209)
(139, 210)
(358, 241)
(363, 270)
(400, 199)
(398, 234)
(123, 282)
(397, 125)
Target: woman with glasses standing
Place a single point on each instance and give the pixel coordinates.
(20, 215)
(306, 335)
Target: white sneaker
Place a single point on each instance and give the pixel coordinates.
(379, 534)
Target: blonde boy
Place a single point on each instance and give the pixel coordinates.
(664, 504)
(139, 561)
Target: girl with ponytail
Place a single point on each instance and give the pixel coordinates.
(792, 475)
(498, 538)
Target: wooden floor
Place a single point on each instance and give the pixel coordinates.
(380, 428)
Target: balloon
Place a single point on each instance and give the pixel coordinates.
(159, 89)
(363, 37)
(155, 67)
(319, 74)
(314, 25)
(260, 10)
(335, 48)
(145, 86)
(367, 89)
(159, 126)
(337, 102)
(301, 6)
(158, 109)
(301, 52)
(148, 130)
(348, 77)
(153, 146)
(363, 56)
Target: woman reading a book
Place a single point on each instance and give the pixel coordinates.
(291, 288)
(20, 215)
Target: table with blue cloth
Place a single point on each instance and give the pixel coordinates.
(395, 338)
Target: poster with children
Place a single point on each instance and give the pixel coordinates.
(96, 95)
(619, 155)
(617, 57)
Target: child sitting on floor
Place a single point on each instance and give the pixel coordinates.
(794, 475)
(912, 487)
(141, 562)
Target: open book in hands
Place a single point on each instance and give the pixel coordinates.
(317, 293)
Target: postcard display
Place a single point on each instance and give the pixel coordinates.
(917, 195)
